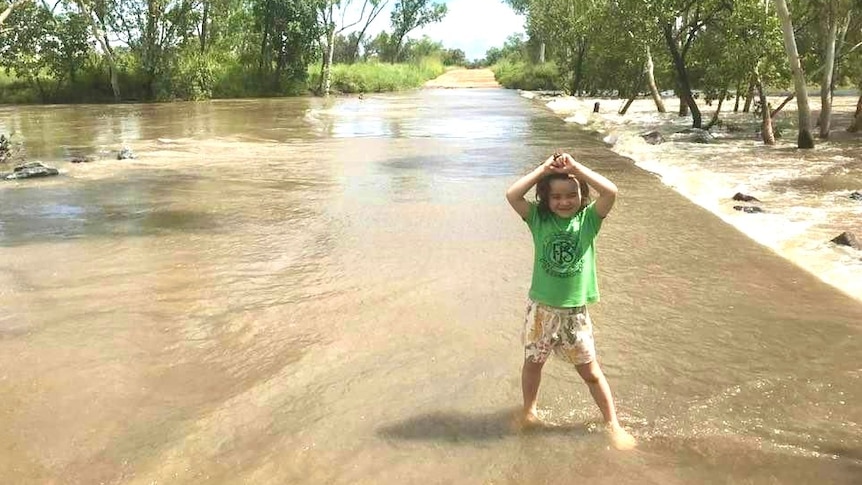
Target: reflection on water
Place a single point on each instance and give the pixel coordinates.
(308, 291)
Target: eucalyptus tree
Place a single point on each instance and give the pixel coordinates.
(635, 37)
(221, 25)
(10, 6)
(835, 19)
(804, 140)
(337, 16)
(102, 39)
(153, 30)
(682, 23)
(409, 15)
(727, 59)
(288, 31)
(45, 49)
(572, 27)
(377, 6)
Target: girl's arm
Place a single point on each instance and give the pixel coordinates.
(515, 194)
(606, 189)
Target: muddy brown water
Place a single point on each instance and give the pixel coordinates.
(300, 291)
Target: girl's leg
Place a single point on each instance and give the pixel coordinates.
(531, 377)
(601, 391)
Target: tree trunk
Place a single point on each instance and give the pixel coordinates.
(685, 94)
(626, 106)
(715, 115)
(5, 14)
(263, 66)
(804, 140)
(738, 96)
(579, 68)
(782, 105)
(749, 97)
(856, 124)
(828, 70)
(102, 39)
(766, 132)
(542, 53)
(205, 27)
(327, 61)
(653, 89)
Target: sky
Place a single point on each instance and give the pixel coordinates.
(474, 26)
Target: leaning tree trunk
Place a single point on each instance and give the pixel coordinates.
(685, 95)
(828, 71)
(653, 89)
(766, 131)
(804, 140)
(109, 56)
(327, 61)
(715, 116)
(5, 13)
(856, 124)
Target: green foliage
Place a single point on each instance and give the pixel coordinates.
(513, 50)
(44, 51)
(375, 77)
(409, 15)
(515, 74)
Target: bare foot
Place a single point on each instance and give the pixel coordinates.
(525, 421)
(620, 438)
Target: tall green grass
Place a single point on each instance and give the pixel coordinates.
(378, 77)
(530, 77)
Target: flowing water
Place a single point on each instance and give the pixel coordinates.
(804, 194)
(298, 291)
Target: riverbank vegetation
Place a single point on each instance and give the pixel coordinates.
(149, 50)
(705, 51)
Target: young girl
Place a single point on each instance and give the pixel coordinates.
(564, 224)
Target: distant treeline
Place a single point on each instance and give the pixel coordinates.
(701, 49)
(156, 50)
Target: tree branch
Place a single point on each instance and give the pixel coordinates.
(9, 9)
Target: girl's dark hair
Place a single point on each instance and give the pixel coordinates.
(543, 192)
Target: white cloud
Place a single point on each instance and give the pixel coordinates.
(473, 26)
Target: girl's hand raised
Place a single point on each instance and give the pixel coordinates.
(554, 164)
(568, 164)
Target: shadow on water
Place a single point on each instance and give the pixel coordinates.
(459, 427)
(726, 459)
(116, 208)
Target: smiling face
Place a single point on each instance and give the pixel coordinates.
(561, 194)
(564, 197)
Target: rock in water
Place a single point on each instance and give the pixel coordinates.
(745, 198)
(30, 170)
(653, 138)
(857, 195)
(847, 239)
(125, 154)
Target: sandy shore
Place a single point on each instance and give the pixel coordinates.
(465, 78)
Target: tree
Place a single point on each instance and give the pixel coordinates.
(8, 11)
(328, 12)
(100, 36)
(377, 6)
(288, 31)
(804, 140)
(409, 15)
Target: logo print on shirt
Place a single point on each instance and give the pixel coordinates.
(561, 256)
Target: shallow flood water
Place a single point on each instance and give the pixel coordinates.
(299, 291)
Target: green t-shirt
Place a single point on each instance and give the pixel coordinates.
(564, 261)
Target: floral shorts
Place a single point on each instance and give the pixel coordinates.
(566, 331)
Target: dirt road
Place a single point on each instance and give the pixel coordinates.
(465, 78)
